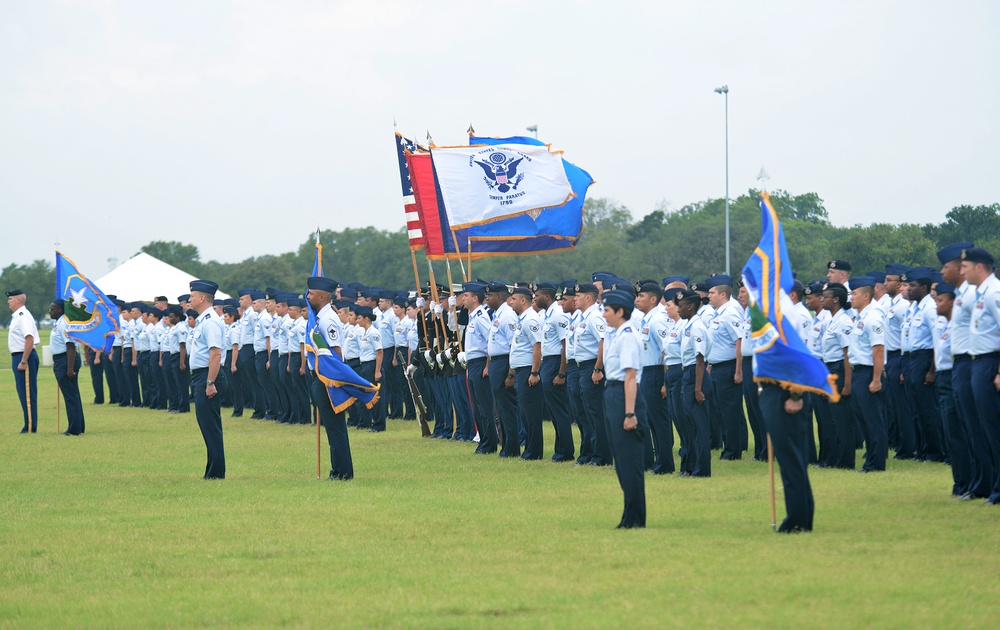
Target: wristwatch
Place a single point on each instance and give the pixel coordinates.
(209, 383)
(534, 373)
(630, 415)
(560, 376)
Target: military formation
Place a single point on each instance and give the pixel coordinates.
(915, 353)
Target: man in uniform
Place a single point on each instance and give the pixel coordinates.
(207, 378)
(555, 331)
(245, 386)
(984, 352)
(22, 337)
(899, 409)
(980, 460)
(595, 447)
(321, 290)
(498, 366)
(654, 327)
(839, 271)
(696, 384)
(726, 331)
(866, 352)
(525, 370)
(66, 365)
(480, 328)
(959, 453)
(264, 400)
(918, 365)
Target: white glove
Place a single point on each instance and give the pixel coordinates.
(410, 369)
(438, 309)
(461, 358)
(420, 302)
(451, 301)
(440, 359)
(447, 354)
(428, 356)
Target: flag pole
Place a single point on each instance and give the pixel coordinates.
(470, 257)
(319, 447)
(416, 278)
(458, 252)
(58, 405)
(451, 309)
(27, 391)
(770, 472)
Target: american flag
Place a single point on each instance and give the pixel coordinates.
(416, 235)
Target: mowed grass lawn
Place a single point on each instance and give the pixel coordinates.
(117, 529)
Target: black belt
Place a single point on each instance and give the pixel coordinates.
(54, 354)
(835, 364)
(500, 356)
(919, 350)
(672, 366)
(198, 371)
(723, 363)
(990, 355)
(892, 352)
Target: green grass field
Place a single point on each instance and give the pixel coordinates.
(117, 529)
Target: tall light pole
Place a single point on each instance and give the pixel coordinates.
(724, 90)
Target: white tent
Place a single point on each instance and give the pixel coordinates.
(143, 277)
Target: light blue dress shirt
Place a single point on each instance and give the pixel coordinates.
(868, 332)
(207, 335)
(984, 333)
(527, 333)
(555, 330)
(622, 351)
(503, 328)
(589, 333)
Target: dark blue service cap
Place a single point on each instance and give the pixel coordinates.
(158, 298)
(862, 281)
(944, 287)
(402, 294)
(797, 286)
(916, 274)
(525, 291)
(300, 302)
(497, 286)
(184, 298)
(204, 286)
(878, 276)
(651, 287)
(191, 313)
(895, 269)
(218, 302)
(586, 287)
(618, 298)
(843, 265)
(547, 286)
(813, 288)
(371, 294)
(401, 302)
(119, 303)
(258, 295)
(603, 276)
(110, 296)
(717, 280)
(175, 309)
(232, 310)
(953, 251)
(474, 287)
(387, 295)
(668, 294)
(568, 283)
(343, 304)
(318, 283)
(364, 311)
(569, 291)
(282, 297)
(232, 302)
(624, 286)
(157, 313)
(245, 291)
(836, 287)
(673, 279)
(978, 255)
(687, 294)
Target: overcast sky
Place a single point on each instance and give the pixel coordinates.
(240, 126)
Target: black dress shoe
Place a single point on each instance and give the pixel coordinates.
(24, 430)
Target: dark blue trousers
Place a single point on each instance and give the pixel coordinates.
(981, 461)
(265, 395)
(596, 441)
(573, 392)
(248, 387)
(842, 420)
(959, 453)
(32, 380)
(727, 409)
(70, 388)
(916, 364)
(458, 388)
(208, 411)
(627, 452)
(506, 404)
(557, 402)
(698, 421)
(124, 391)
(657, 419)
(366, 419)
(273, 377)
(530, 400)
(301, 410)
(132, 377)
(789, 433)
(897, 402)
(182, 379)
(170, 383)
(984, 370)
(869, 407)
(751, 399)
(145, 380)
(111, 376)
(341, 463)
(482, 398)
(162, 393)
(96, 377)
(444, 415)
(675, 408)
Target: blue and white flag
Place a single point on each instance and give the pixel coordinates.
(480, 184)
(780, 356)
(92, 318)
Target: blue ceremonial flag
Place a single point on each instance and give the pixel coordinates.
(343, 385)
(92, 317)
(780, 356)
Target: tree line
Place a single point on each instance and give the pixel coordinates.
(688, 241)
